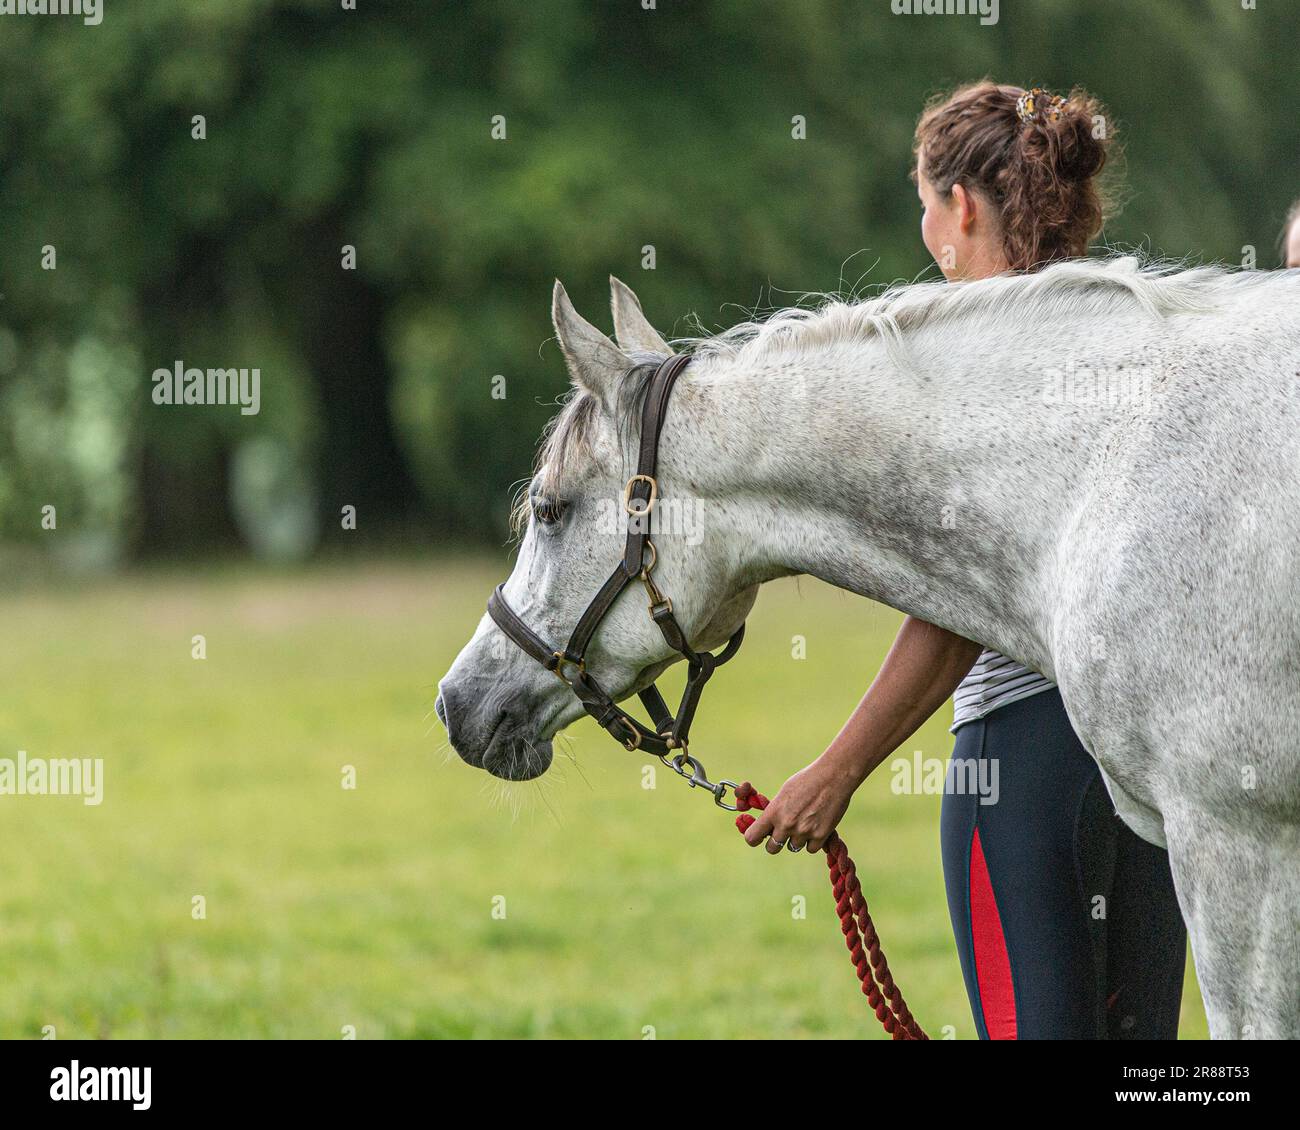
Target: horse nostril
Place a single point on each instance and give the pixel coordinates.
(460, 719)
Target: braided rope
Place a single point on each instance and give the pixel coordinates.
(855, 922)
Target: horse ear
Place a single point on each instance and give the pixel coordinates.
(630, 325)
(595, 363)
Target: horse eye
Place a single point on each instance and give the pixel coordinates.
(548, 511)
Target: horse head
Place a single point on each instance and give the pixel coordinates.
(502, 707)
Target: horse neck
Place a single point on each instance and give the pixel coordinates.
(944, 493)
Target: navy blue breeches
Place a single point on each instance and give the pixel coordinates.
(1066, 921)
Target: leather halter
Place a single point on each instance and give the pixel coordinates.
(640, 496)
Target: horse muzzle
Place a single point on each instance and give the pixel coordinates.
(499, 743)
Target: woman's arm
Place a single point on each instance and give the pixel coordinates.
(923, 668)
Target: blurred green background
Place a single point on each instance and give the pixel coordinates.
(625, 129)
(626, 907)
(349, 224)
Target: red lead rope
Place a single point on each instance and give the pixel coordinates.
(859, 931)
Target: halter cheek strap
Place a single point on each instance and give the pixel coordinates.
(640, 496)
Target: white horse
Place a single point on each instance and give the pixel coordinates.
(1094, 469)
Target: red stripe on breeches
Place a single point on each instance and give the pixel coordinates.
(992, 963)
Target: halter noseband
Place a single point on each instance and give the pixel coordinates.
(640, 495)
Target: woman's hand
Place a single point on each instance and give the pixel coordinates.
(806, 810)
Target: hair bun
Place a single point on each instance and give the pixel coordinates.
(1064, 132)
(1081, 152)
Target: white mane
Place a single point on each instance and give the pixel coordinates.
(1063, 290)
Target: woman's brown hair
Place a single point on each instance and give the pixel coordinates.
(1033, 155)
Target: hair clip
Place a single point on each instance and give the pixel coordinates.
(1027, 105)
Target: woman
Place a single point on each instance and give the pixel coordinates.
(1066, 922)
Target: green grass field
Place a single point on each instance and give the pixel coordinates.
(626, 908)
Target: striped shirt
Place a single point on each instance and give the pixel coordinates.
(994, 681)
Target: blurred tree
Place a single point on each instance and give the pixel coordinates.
(412, 381)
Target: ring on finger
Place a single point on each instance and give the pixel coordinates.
(792, 847)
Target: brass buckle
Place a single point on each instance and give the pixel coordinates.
(650, 502)
(634, 742)
(561, 659)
